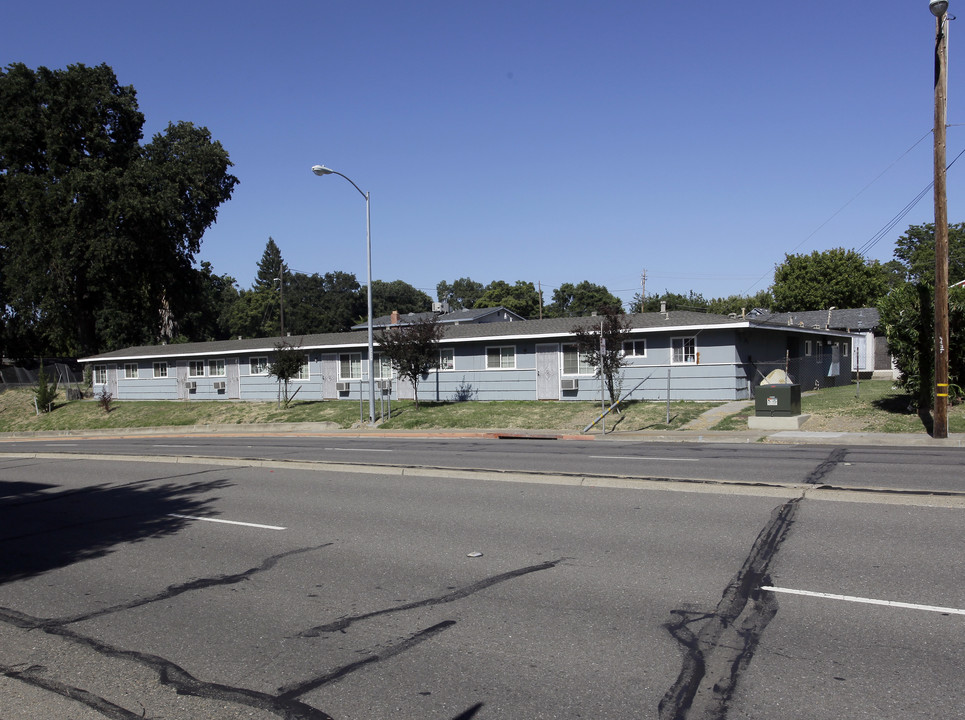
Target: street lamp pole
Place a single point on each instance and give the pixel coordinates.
(322, 170)
(939, 9)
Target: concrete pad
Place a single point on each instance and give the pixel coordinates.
(763, 422)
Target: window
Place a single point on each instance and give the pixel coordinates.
(258, 365)
(807, 348)
(304, 372)
(635, 348)
(216, 368)
(382, 367)
(160, 369)
(501, 358)
(447, 359)
(844, 349)
(350, 366)
(100, 374)
(196, 368)
(130, 371)
(574, 361)
(684, 350)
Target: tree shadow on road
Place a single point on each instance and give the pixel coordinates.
(44, 527)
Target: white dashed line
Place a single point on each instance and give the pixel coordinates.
(868, 601)
(228, 522)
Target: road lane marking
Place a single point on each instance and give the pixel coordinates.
(868, 601)
(358, 449)
(636, 457)
(228, 522)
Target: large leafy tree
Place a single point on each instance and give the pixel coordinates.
(322, 303)
(398, 295)
(521, 298)
(461, 295)
(908, 311)
(673, 301)
(832, 278)
(584, 298)
(97, 233)
(412, 349)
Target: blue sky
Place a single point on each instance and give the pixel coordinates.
(543, 141)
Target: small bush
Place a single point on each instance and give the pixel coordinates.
(465, 392)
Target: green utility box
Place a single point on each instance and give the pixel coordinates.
(777, 400)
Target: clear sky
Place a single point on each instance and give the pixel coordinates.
(552, 141)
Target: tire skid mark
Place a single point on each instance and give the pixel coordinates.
(716, 653)
(718, 646)
(342, 623)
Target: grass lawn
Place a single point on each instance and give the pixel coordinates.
(873, 407)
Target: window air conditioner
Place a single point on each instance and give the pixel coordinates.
(220, 385)
(385, 384)
(570, 384)
(342, 386)
(191, 386)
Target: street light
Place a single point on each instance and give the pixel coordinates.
(939, 9)
(322, 170)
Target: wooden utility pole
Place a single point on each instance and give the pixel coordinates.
(940, 416)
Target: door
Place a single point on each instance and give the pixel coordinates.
(233, 379)
(548, 371)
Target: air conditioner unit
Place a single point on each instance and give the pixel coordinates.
(220, 385)
(385, 384)
(342, 386)
(190, 386)
(570, 384)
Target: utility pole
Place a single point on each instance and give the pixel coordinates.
(939, 9)
(643, 289)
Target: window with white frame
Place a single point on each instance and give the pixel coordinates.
(100, 374)
(807, 348)
(635, 348)
(575, 362)
(304, 372)
(683, 350)
(447, 359)
(501, 358)
(216, 368)
(350, 366)
(844, 348)
(382, 367)
(258, 365)
(160, 369)
(130, 371)
(196, 368)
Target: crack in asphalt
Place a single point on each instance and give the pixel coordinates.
(285, 704)
(342, 623)
(296, 690)
(34, 675)
(718, 647)
(200, 584)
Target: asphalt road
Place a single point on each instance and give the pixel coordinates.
(333, 593)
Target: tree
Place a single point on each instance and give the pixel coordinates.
(286, 364)
(413, 350)
(521, 298)
(322, 303)
(97, 232)
(674, 301)
(585, 298)
(908, 311)
(257, 312)
(833, 278)
(398, 295)
(607, 357)
(741, 303)
(45, 392)
(215, 296)
(461, 295)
